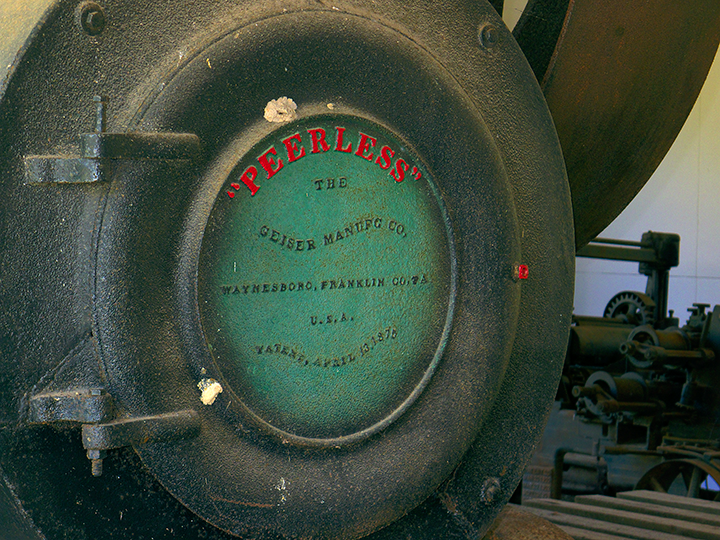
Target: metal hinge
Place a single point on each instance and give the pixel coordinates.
(101, 151)
(74, 392)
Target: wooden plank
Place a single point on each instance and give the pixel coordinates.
(660, 524)
(647, 508)
(583, 534)
(622, 531)
(675, 501)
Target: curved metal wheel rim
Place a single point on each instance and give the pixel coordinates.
(661, 477)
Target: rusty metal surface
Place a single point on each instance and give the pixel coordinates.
(516, 524)
(620, 83)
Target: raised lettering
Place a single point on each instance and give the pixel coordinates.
(385, 157)
(365, 145)
(294, 151)
(269, 164)
(318, 140)
(401, 167)
(339, 145)
(248, 178)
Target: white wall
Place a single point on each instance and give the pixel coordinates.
(512, 11)
(683, 197)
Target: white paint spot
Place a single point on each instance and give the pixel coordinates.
(210, 389)
(282, 488)
(280, 110)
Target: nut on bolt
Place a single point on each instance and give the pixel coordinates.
(91, 18)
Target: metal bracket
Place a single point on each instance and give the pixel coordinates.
(100, 151)
(86, 405)
(174, 426)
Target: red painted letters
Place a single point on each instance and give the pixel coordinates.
(294, 150)
(318, 140)
(364, 146)
(268, 163)
(339, 146)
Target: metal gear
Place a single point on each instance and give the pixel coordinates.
(633, 307)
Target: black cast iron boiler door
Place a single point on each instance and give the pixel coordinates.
(278, 269)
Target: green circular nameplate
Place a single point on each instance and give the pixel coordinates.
(327, 279)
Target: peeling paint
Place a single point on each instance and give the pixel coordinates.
(210, 389)
(282, 488)
(281, 110)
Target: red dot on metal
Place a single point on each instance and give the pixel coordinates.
(523, 271)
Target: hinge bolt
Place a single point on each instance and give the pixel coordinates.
(96, 461)
(100, 113)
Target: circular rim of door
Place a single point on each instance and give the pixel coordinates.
(148, 331)
(287, 479)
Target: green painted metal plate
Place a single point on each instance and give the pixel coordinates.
(327, 279)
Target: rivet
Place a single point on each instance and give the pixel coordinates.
(489, 490)
(488, 35)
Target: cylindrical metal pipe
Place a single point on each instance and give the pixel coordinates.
(596, 345)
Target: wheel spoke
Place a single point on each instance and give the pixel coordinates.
(695, 481)
(656, 485)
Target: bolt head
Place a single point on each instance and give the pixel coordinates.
(91, 18)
